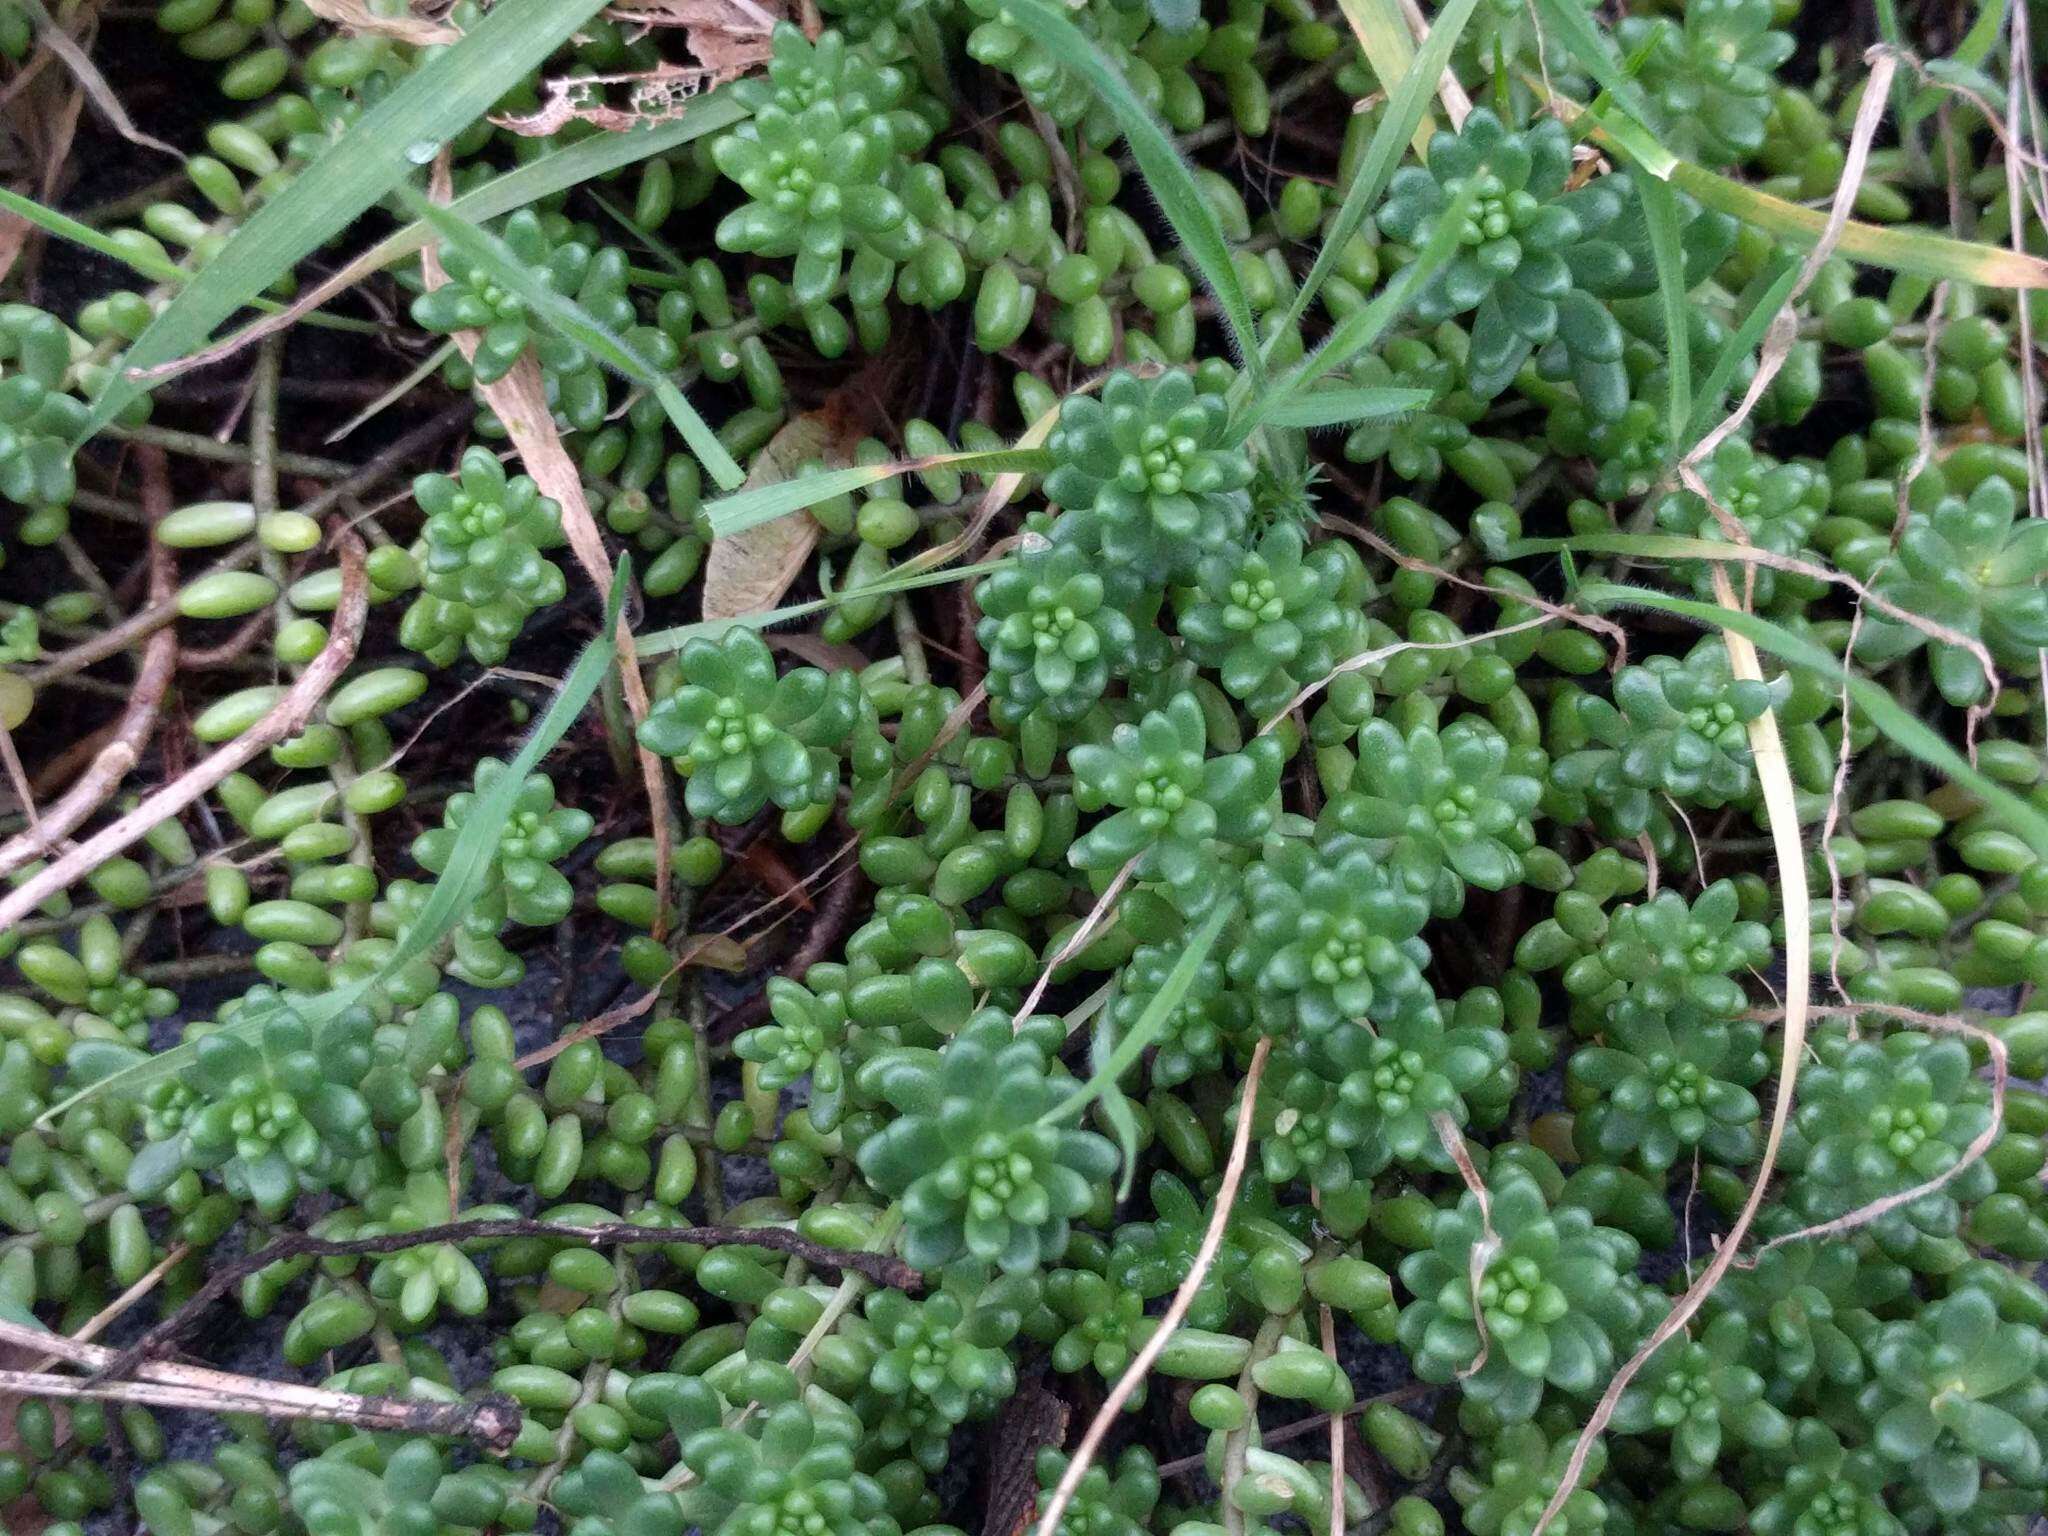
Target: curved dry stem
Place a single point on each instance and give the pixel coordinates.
(287, 717)
(1784, 330)
(1387, 549)
(1176, 1310)
(1076, 940)
(114, 761)
(1483, 1251)
(1979, 1145)
(1382, 653)
(1775, 775)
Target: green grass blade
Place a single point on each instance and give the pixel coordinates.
(108, 1066)
(1405, 109)
(575, 322)
(586, 160)
(378, 151)
(1362, 327)
(64, 227)
(1746, 337)
(1660, 209)
(1340, 407)
(1893, 721)
(660, 642)
(147, 263)
(764, 503)
(1165, 172)
(1383, 37)
(1151, 1023)
(655, 246)
(1568, 23)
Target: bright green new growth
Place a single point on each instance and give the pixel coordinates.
(472, 299)
(521, 884)
(1968, 565)
(1777, 505)
(1169, 801)
(1148, 477)
(1709, 74)
(39, 419)
(1534, 260)
(1447, 805)
(1551, 1306)
(1052, 635)
(482, 559)
(1330, 937)
(1878, 1118)
(1272, 621)
(275, 1107)
(978, 1170)
(742, 736)
(830, 133)
(1677, 727)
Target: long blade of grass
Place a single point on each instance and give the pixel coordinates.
(585, 160)
(1771, 295)
(1151, 1022)
(1892, 720)
(1340, 407)
(660, 642)
(64, 227)
(1406, 108)
(1362, 327)
(1660, 211)
(1893, 248)
(102, 1066)
(1165, 172)
(147, 263)
(764, 503)
(379, 150)
(577, 323)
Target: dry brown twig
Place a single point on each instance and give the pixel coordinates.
(287, 717)
(1589, 621)
(491, 1421)
(1076, 940)
(1385, 652)
(114, 761)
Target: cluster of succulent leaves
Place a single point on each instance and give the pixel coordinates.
(1248, 818)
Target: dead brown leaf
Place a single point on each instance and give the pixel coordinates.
(355, 16)
(654, 96)
(729, 37)
(818, 651)
(748, 572)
